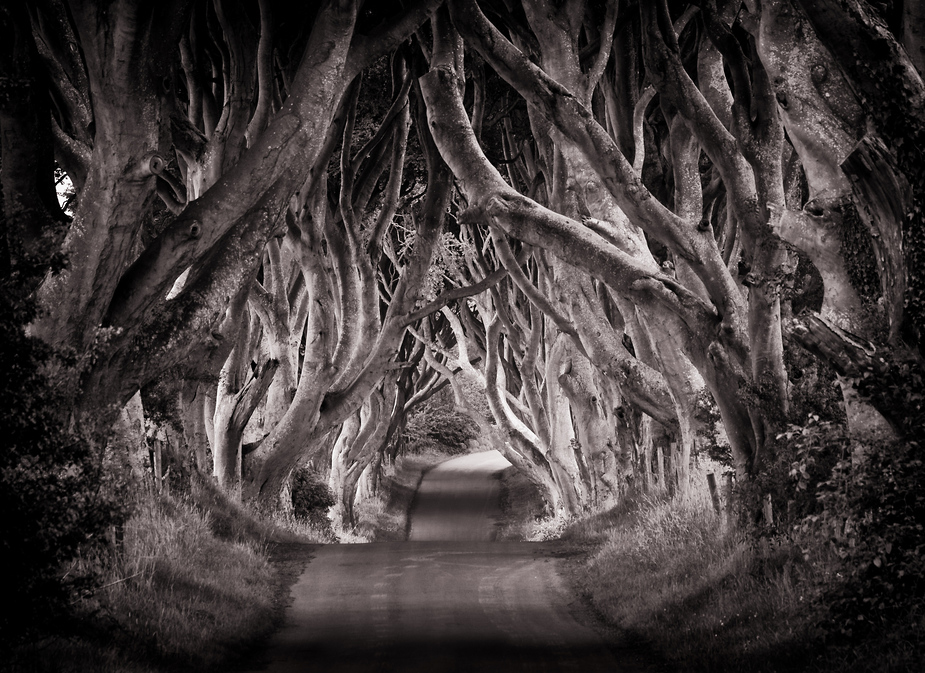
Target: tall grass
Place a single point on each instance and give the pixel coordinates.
(189, 587)
(674, 574)
(191, 595)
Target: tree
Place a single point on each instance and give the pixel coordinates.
(635, 186)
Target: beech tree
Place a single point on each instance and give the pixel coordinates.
(732, 336)
(202, 109)
(637, 193)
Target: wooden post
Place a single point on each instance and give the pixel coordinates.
(714, 493)
(660, 459)
(674, 473)
(158, 465)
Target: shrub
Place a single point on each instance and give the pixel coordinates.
(58, 488)
(799, 460)
(311, 499)
(856, 510)
(437, 425)
(873, 515)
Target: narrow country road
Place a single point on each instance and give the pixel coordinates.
(447, 600)
(459, 499)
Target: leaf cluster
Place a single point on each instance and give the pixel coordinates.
(856, 509)
(873, 509)
(60, 490)
(436, 424)
(311, 497)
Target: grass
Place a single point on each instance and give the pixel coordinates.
(676, 576)
(191, 587)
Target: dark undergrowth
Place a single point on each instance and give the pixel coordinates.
(196, 583)
(707, 597)
(522, 506)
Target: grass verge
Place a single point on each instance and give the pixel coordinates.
(195, 585)
(674, 576)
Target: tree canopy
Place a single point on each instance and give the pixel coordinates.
(624, 233)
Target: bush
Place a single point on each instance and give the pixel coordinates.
(436, 425)
(311, 499)
(872, 518)
(856, 511)
(58, 488)
(799, 460)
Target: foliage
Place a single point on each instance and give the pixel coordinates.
(898, 387)
(711, 438)
(801, 459)
(437, 425)
(161, 400)
(858, 252)
(854, 507)
(311, 499)
(874, 510)
(808, 289)
(802, 453)
(60, 489)
(814, 388)
(448, 264)
(702, 594)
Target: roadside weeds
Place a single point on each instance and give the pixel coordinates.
(195, 583)
(675, 578)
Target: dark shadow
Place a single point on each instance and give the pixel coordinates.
(464, 657)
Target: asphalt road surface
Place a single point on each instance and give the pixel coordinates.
(459, 499)
(449, 599)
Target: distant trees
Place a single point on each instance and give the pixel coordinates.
(298, 221)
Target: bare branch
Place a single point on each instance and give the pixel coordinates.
(264, 74)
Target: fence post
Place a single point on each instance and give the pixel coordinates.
(714, 494)
(660, 461)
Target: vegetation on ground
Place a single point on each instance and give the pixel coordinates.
(840, 589)
(189, 586)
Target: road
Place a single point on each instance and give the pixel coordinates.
(449, 599)
(459, 499)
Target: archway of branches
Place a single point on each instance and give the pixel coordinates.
(622, 234)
